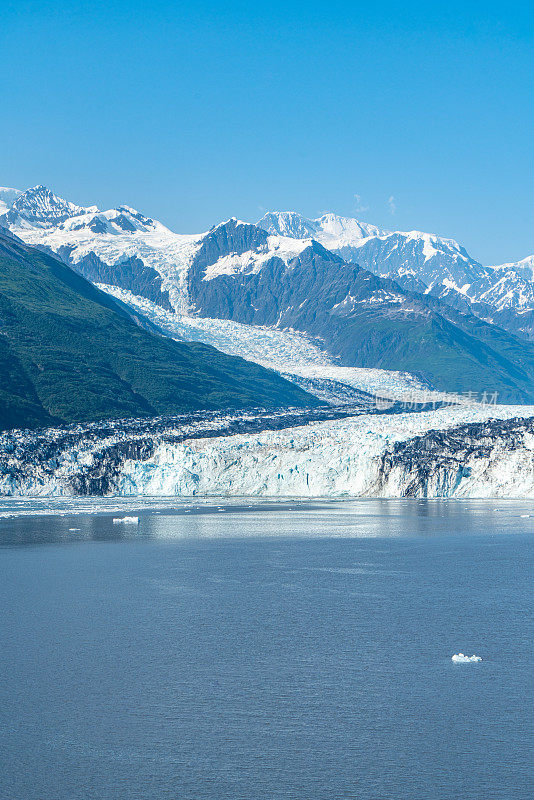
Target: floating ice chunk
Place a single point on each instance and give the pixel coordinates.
(525, 516)
(126, 520)
(74, 529)
(459, 658)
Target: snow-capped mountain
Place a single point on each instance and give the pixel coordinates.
(512, 286)
(290, 272)
(119, 246)
(7, 198)
(330, 230)
(525, 268)
(39, 207)
(157, 259)
(124, 248)
(415, 259)
(424, 263)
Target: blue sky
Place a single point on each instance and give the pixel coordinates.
(408, 116)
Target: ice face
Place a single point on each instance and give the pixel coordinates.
(451, 452)
(356, 457)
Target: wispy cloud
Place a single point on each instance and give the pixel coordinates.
(392, 205)
(359, 204)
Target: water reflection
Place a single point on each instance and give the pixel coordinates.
(64, 520)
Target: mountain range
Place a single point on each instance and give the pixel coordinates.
(70, 352)
(424, 263)
(406, 301)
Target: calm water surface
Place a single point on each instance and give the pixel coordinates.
(272, 651)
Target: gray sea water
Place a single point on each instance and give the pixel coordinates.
(266, 651)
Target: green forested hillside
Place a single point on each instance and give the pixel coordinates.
(69, 352)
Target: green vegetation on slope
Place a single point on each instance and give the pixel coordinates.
(459, 355)
(69, 352)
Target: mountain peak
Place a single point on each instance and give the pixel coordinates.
(291, 223)
(331, 224)
(40, 207)
(231, 222)
(232, 237)
(7, 198)
(287, 223)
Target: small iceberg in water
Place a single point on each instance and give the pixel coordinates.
(126, 520)
(459, 658)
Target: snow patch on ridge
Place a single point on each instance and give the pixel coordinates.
(252, 261)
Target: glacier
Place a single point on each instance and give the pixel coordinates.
(291, 353)
(356, 457)
(451, 452)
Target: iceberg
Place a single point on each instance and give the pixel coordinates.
(459, 658)
(126, 520)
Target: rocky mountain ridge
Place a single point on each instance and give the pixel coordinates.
(407, 307)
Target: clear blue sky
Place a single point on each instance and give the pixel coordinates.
(197, 112)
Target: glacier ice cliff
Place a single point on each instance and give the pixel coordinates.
(463, 452)
(362, 457)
